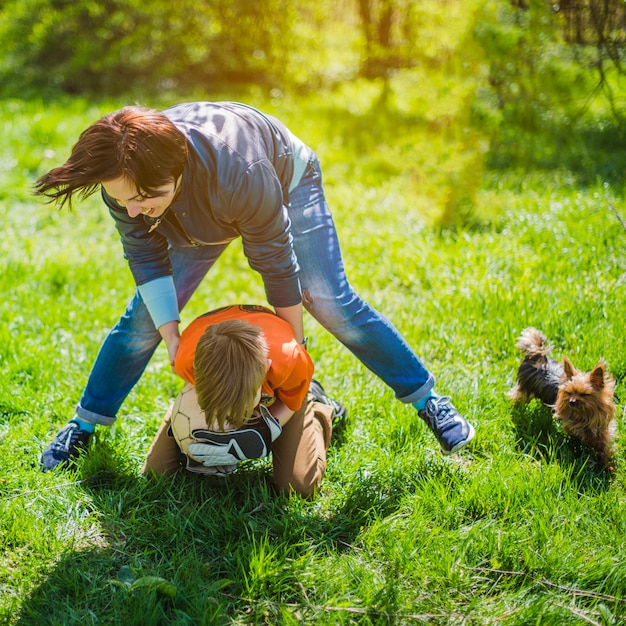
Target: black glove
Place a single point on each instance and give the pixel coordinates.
(214, 449)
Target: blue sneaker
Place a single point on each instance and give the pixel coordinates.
(451, 429)
(66, 447)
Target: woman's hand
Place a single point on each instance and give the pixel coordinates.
(171, 336)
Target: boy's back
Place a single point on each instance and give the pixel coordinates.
(291, 368)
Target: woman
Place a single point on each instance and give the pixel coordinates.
(180, 185)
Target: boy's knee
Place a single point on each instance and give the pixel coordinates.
(304, 483)
(302, 469)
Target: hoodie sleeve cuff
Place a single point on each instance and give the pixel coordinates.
(159, 296)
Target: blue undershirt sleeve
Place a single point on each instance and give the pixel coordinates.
(159, 296)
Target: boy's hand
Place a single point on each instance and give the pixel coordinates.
(279, 411)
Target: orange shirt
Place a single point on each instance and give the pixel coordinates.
(291, 369)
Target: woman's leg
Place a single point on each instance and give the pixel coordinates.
(329, 297)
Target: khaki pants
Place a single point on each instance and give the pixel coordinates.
(298, 455)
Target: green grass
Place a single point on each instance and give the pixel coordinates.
(522, 528)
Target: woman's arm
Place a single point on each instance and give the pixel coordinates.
(293, 315)
(258, 212)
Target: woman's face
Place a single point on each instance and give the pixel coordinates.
(124, 192)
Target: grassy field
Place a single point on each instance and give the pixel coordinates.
(524, 527)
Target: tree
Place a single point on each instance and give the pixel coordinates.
(115, 46)
(388, 28)
(600, 24)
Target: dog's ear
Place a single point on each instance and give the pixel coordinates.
(568, 368)
(597, 376)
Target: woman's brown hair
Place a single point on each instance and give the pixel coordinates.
(136, 142)
(230, 365)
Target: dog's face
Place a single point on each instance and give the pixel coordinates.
(585, 397)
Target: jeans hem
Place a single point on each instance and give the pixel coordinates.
(419, 393)
(94, 418)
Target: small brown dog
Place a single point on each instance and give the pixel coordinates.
(583, 401)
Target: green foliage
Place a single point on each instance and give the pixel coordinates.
(540, 98)
(135, 46)
(461, 83)
(417, 127)
(444, 89)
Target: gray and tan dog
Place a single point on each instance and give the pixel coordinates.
(582, 401)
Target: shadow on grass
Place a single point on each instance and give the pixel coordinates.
(187, 549)
(378, 494)
(171, 551)
(539, 435)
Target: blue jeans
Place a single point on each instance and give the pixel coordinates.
(327, 296)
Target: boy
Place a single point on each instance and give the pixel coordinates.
(248, 391)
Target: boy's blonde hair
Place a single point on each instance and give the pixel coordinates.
(230, 365)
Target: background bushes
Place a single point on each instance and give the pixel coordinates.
(466, 84)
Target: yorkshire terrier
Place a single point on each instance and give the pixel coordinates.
(582, 401)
